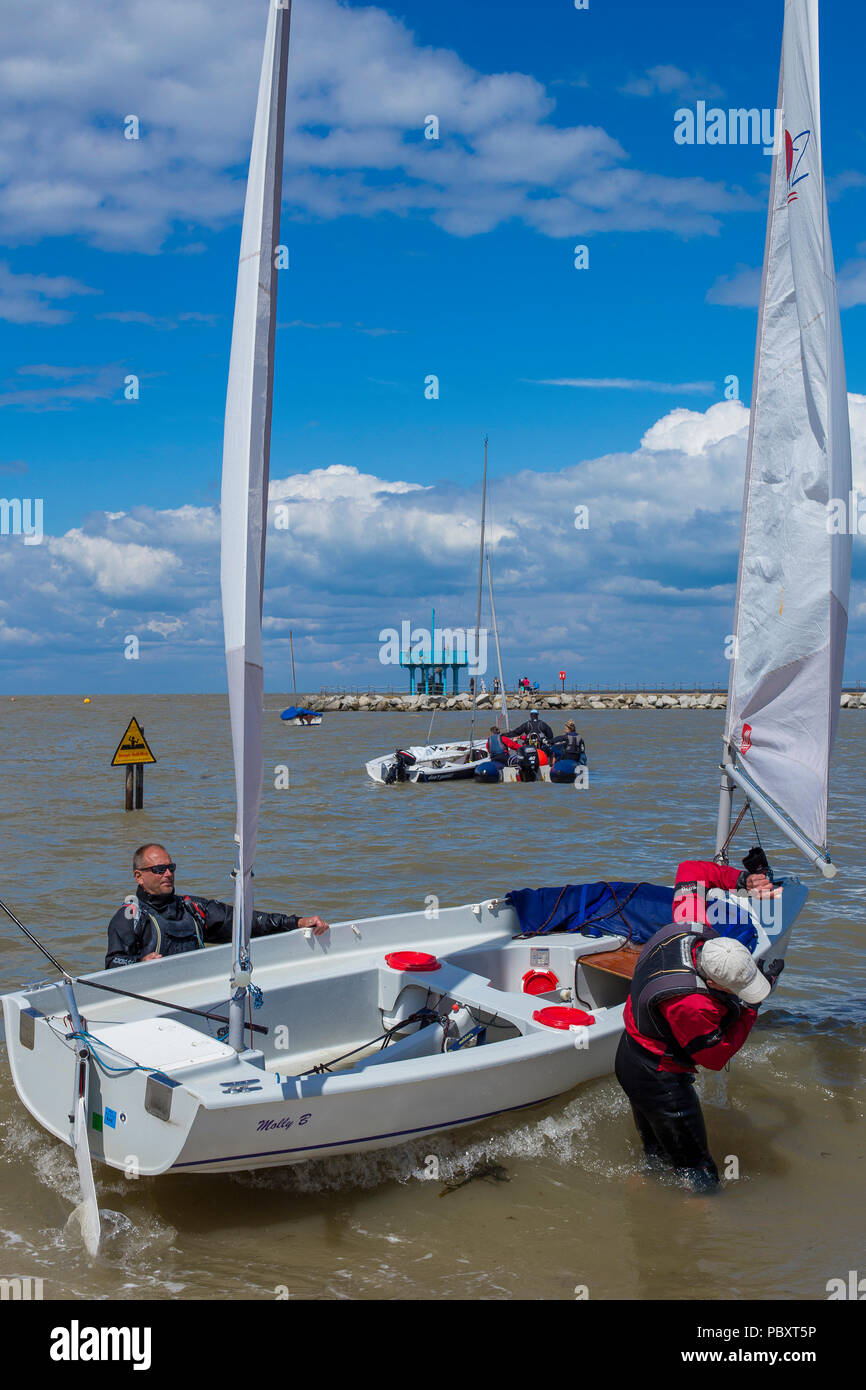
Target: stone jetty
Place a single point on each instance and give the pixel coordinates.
(696, 699)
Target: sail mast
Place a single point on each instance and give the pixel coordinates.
(794, 574)
(496, 638)
(478, 612)
(246, 465)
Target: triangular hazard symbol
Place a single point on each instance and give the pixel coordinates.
(133, 747)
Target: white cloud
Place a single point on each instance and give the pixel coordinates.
(618, 383)
(851, 283)
(693, 432)
(116, 570)
(742, 289)
(665, 80)
(72, 385)
(330, 484)
(647, 587)
(29, 298)
(360, 88)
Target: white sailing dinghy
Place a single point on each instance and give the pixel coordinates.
(465, 1040)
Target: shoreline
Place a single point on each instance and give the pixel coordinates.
(407, 704)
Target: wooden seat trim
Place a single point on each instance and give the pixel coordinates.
(620, 962)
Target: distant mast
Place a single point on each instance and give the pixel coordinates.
(478, 613)
(794, 575)
(504, 700)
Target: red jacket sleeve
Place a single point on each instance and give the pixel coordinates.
(706, 872)
(697, 1024)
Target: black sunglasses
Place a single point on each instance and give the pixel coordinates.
(157, 868)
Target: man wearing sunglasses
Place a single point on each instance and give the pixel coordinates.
(157, 922)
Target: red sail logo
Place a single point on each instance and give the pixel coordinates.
(746, 741)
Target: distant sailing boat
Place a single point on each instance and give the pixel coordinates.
(354, 1041)
(297, 714)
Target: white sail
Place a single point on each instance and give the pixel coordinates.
(246, 460)
(792, 590)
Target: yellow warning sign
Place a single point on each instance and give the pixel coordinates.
(133, 747)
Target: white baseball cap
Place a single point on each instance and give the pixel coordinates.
(729, 963)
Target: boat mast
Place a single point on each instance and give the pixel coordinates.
(292, 650)
(246, 466)
(478, 611)
(496, 639)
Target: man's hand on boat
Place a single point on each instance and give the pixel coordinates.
(317, 923)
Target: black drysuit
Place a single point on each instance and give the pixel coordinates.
(170, 924)
(533, 728)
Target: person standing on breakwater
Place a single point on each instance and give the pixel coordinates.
(693, 1002)
(156, 922)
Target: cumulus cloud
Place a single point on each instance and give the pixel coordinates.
(643, 591)
(361, 87)
(693, 432)
(116, 570)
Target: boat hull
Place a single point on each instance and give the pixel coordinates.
(166, 1095)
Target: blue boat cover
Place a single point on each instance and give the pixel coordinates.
(293, 712)
(636, 910)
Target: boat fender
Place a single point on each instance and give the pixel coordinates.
(539, 981)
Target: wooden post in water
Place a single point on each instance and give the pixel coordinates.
(130, 779)
(139, 786)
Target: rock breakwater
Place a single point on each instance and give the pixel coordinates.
(630, 700)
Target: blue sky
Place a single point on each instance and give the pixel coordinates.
(408, 257)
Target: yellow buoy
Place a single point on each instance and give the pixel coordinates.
(87, 699)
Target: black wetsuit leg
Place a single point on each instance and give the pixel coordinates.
(667, 1114)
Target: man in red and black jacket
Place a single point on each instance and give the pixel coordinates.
(693, 1002)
